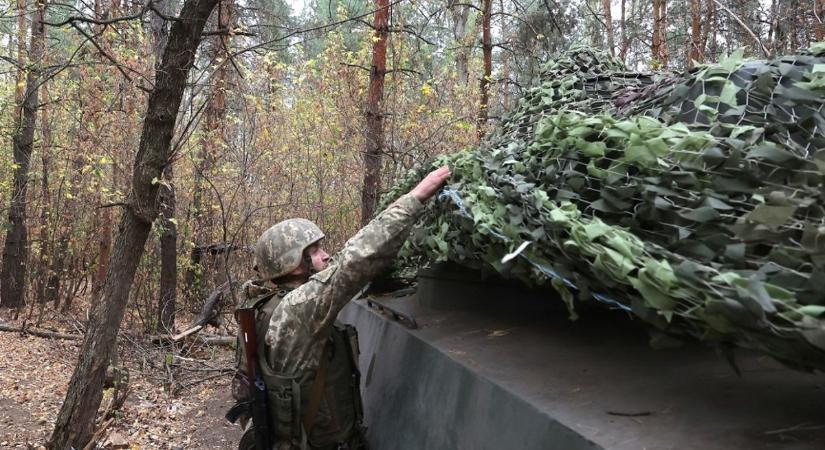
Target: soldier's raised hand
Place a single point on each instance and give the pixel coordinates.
(431, 183)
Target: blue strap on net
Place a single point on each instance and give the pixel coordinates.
(453, 195)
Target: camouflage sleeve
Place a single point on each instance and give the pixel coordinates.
(295, 328)
(365, 255)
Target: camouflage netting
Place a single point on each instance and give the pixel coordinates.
(696, 202)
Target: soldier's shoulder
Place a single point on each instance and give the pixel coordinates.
(325, 275)
(311, 288)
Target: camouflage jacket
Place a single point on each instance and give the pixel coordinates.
(303, 319)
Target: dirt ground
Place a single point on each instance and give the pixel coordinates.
(35, 372)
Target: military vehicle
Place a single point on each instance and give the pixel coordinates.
(469, 361)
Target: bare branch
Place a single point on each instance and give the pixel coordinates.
(311, 29)
(228, 32)
(151, 7)
(112, 205)
(403, 70)
(739, 20)
(552, 16)
(119, 66)
(469, 5)
(40, 333)
(409, 30)
(72, 20)
(357, 66)
(595, 15)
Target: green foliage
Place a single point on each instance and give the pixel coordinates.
(695, 202)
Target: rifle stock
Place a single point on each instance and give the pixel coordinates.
(257, 388)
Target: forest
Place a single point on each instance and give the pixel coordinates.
(146, 145)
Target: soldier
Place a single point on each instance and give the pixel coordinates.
(310, 364)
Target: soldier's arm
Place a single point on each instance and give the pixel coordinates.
(370, 251)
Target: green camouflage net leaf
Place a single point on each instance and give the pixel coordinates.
(695, 201)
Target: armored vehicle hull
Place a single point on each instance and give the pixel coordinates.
(465, 362)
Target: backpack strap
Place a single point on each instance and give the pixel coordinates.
(261, 300)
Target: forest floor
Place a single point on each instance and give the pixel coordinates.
(177, 406)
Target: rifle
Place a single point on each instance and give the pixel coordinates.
(257, 389)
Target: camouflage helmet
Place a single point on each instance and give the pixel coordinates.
(280, 249)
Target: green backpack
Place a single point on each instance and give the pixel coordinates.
(294, 402)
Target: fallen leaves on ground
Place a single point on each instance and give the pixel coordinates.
(34, 377)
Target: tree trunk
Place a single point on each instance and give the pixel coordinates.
(659, 46)
(375, 121)
(656, 42)
(75, 423)
(771, 19)
(211, 144)
(505, 65)
(44, 262)
(792, 23)
(16, 248)
(663, 33)
(784, 24)
(56, 272)
(104, 232)
(784, 27)
(168, 255)
(487, 50)
(461, 13)
(167, 295)
(160, 29)
(697, 51)
(20, 86)
(104, 251)
(608, 21)
(710, 24)
(819, 27)
(625, 38)
(64, 222)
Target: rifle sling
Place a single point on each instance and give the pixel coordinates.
(316, 393)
